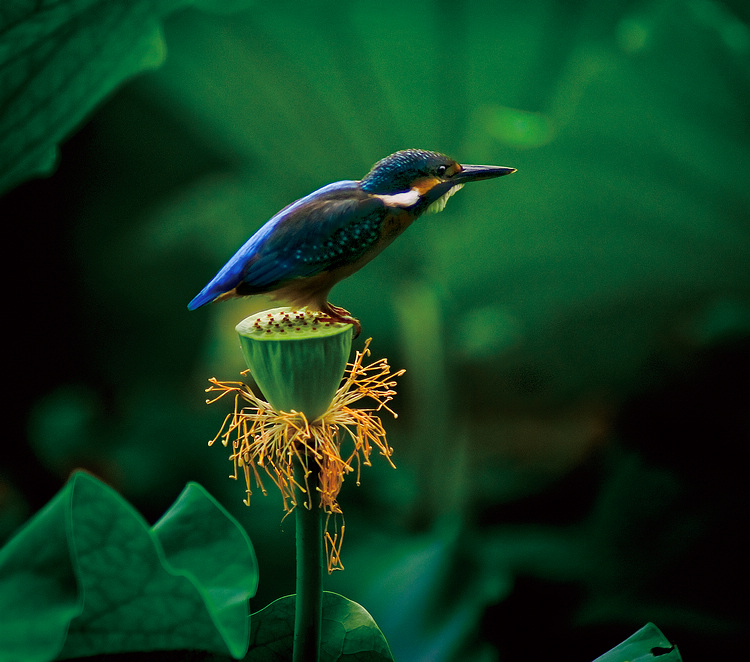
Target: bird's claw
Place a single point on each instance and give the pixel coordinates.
(337, 314)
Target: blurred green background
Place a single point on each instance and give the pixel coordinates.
(576, 336)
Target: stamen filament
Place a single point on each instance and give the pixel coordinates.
(274, 441)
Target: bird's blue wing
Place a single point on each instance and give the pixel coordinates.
(232, 272)
(329, 227)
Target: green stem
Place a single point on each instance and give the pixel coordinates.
(309, 598)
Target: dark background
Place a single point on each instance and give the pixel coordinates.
(574, 417)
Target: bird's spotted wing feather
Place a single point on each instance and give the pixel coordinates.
(331, 227)
(326, 234)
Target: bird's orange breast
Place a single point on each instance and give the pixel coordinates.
(395, 222)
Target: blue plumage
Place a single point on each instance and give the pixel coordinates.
(278, 265)
(306, 248)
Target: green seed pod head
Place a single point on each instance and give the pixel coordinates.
(297, 357)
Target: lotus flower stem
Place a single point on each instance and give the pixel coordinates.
(309, 593)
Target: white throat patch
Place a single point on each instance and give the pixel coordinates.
(440, 203)
(406, 199)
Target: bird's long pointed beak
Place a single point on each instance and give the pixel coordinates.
(474, 173)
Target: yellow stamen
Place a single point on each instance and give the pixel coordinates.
(274, 441)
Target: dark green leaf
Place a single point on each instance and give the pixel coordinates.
(348, 632)
(201, 538)
(38, 590)
(645, 645)
(58, 60)
(90, 565)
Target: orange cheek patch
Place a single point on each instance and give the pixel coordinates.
(425, 184)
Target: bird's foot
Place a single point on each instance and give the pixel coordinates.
(337, 314)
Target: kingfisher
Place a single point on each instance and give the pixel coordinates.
(298, 255)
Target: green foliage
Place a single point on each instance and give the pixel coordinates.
(646, 644)
(348, 634)
(620, 247)
(87, 575)
(58, 60)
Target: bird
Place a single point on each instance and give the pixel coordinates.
(298, 255)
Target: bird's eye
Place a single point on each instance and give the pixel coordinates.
(441, 170)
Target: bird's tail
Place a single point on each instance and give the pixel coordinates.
(208, 294)
(199, 300)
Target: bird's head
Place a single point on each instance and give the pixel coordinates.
(422, 180)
